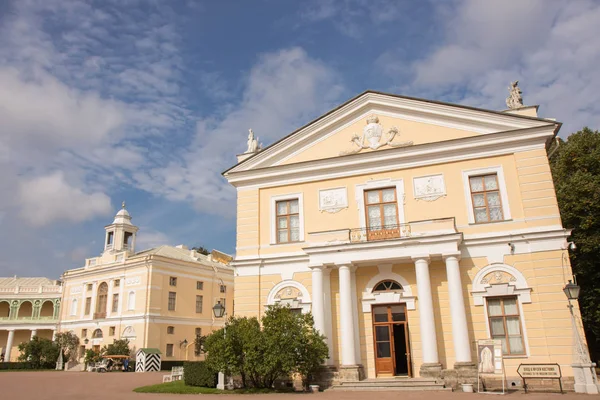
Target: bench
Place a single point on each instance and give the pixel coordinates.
(176, 375)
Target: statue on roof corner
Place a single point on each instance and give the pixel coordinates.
(252, 142)
(514, 99)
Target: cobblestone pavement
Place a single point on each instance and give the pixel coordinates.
(118, 386)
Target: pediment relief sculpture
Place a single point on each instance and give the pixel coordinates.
(498, 277)
(289, 293)
(373, 137)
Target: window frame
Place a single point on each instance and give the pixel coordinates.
(485, 193)
(273, 220)
(359, 193)
(170, 330)
(115, 303)
(519, 314)
(199, 285)
(288, 216)
(88, 305)
(381, 204)
(499, 171)
(174, 301)
(173, 281)
(170, 350)
(111, 331)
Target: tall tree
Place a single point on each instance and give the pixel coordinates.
(576, 171)
(68, 343)
(201, 250)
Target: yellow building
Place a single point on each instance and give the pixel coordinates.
(159, 298)
(410, 228)
(28, 307)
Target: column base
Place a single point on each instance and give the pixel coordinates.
(585, 378)
(463, 373)
(350, 373)
(431, 370)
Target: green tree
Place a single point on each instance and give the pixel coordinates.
(201, 250)
(68, 343)
(118, 347)
(40, 352)
(576, 172)
(286, 344)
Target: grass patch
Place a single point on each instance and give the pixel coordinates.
(179, 387)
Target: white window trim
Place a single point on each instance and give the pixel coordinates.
(74, 307)
(369, 298)
(501, 186)
(131, 304)
(519, 288)
(273, 221)
(380, 184)
(305, 302)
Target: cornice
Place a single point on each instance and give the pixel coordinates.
(495, 144)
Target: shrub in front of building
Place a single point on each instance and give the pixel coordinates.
(39, 352)
(199, 373)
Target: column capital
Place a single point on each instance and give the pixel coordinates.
(348, 265)
(317, 267)
(455, 254)
(424, 257)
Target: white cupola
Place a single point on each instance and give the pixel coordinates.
(120, 235)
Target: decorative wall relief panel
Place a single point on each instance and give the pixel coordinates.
(429, 188)
(333, 200)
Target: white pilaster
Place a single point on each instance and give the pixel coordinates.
(460, 332)
(318, 299)
(33, 333)
(83, 297)
(428, 336)
(53, 334)
(94, 295)
(121, 298)
(346, 318)
(9, 344)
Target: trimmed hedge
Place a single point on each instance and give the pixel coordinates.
(24, 365)
(168, 365)
(198, 373)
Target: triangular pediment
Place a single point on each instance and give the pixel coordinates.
(376, 121)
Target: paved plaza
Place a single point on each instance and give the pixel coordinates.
(94, 386)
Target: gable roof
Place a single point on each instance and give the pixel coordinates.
(522, 121)
(181, 254)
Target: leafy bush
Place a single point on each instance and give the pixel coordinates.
(286, 344)
(23, 366)
(40, 352)
(199, 373)
(68, 342)
(91, 356)
(118, 347)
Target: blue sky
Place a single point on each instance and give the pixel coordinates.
(149, 101)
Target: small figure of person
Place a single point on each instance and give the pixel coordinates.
(126, 365)
(2, 357)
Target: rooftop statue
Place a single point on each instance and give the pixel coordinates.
(514, 99)
(252, 142)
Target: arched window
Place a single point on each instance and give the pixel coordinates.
(131, 301)
(25, 310)
(102, 298)
(387, 286)
(97, 334)
(47, 309)
(74, 307)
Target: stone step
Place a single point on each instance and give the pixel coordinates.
(391, 384)
(390, 388)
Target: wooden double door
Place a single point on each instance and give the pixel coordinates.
(392, 350)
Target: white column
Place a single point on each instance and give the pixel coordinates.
(121, 289)
(355, 318)
(109, 299)
(328, 314)
(460, 332)
(318, 305)
(53, 334)
(33, 333)
(83, 296)
(9, 344)
(428, 337)
(94, 295)
(346, 318)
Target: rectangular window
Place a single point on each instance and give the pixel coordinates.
(172, 281)
(117, 283)
(169, 350)
(115, 302)
(89, 287)
(127, 240)
(170, 330)
(288, 221)
(485, 194)
(505, 324)
(111, 331)
(109, 238)
(198, 331)
(200, 285)
(381, 209)
(84, 333)
(172, 300)
(223, 289)
(199, 300)
(88, 305)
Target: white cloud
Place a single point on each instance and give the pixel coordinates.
(148, 238)
(283, 91)
(551, 47)
(50, 198)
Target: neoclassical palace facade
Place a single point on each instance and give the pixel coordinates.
(410, 228)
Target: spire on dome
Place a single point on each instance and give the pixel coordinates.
(122, 216)
(123, 204)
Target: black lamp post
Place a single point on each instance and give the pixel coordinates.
(572, 290)
(219, 310)
(183, 343)
(86, 341)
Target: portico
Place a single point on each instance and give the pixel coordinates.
(410, 255)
